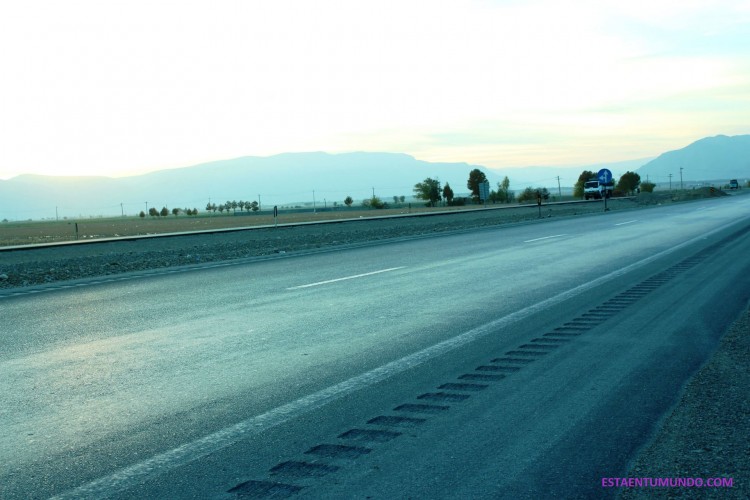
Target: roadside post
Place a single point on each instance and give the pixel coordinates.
(605, 179)
(275, 216)
(539, 202)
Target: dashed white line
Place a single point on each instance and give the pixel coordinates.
(345, 278)
(628, 222)
(545, 238)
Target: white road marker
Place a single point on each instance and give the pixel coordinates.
(628, 222)
(545, 238)
(345, 278)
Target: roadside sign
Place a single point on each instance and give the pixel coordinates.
(605, 176)
(484, 191)
(605, 179)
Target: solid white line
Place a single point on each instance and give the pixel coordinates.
(345, 278)
(138, 473)
(628, 222)
(545, 238)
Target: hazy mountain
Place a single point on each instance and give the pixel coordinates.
(284, 179)
(718, 158)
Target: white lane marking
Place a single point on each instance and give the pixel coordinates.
(628, 222)
(545, 238)
(345, 278)
(138, 473)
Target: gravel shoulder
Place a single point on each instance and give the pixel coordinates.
(707, 433)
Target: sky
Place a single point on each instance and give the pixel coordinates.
(119, 88)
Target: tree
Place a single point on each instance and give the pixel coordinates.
(503, 191)
(241, 205)
(164, 211)
(395, 199)
(476, 177)
(253, 205)
(428, 190)
(527, 194)
(629, 182)
(585, 176)
(142, 214)
(448, 193)
(153, 212)
(348, 201)
(175, 211)
(402, 198)
(647, 187)
(375, 202)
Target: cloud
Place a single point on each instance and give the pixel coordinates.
(115, 87)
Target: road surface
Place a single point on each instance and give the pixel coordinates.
(518, 362)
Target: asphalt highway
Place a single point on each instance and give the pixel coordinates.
(518, 362)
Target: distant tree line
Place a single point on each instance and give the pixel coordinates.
(164, 212)
(249, 206)
(433, 193)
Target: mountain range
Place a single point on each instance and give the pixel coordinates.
(298, 178)
(711, 160)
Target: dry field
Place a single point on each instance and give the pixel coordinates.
(35, 232)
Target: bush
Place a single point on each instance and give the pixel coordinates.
(376, 202)
(530, 194)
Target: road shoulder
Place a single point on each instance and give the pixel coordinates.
(706, 435)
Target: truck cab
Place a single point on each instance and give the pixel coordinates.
(594, 189)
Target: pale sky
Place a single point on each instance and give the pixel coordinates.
(103, 87)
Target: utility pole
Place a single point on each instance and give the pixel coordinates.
(670, 182)
(146, 207)
(373, 192)
(559, 191)
(680, 178)
(122, 210)
(57, 217)
(314, 211)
